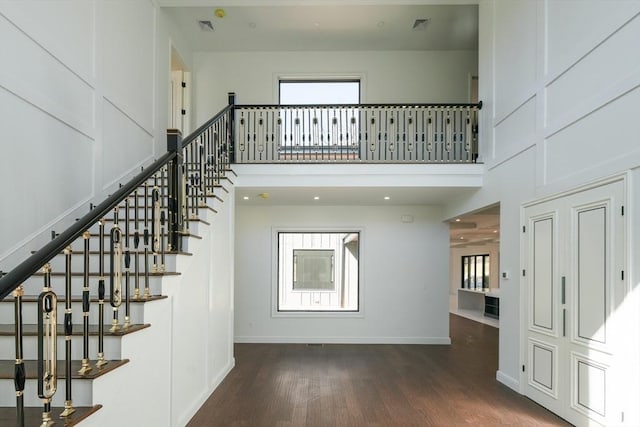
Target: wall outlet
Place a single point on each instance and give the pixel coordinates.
(505, 275)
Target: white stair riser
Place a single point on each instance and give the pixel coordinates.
(78, 245)
(112, 348)
(81, 394)
(33, 285)
(30, 315)
(95, 228)
(58, 264)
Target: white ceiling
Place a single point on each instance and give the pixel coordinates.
(327, 25)
(475, 229)
(350, 196)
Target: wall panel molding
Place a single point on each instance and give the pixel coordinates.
(58, 91)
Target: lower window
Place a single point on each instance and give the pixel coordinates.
(318, 271)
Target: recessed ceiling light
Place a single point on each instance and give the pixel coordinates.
(316, 198)
(457, 219)
(316, 24)
(246, 197)
(461, 237)
(495, 231)
(387, 197)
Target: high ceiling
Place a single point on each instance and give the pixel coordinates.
(327, 25)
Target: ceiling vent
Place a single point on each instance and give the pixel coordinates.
(205, 26)
(420, 24)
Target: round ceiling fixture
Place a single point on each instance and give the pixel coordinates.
(220, 13)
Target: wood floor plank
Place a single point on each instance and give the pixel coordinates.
(372, 385)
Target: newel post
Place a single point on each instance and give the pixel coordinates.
(232, 128)
(175, 190)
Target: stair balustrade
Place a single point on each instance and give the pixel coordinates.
(145, 219)
(357, 133)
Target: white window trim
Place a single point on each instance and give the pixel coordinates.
(316, 314)
(320, 77)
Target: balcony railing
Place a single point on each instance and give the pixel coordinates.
(366, 133)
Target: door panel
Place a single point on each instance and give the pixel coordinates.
(543, 360)
(590, 386)
(542, 282)
(574, 330)
(543, 369)
(591, 284)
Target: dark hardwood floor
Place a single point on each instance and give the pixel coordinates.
(372, 385)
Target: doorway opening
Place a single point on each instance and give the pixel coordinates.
(179, 95)
(474, 256)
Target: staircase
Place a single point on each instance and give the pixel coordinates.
(130, 365)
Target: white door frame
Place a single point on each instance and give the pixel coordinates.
(632, 315)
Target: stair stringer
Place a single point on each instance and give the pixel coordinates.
(179, 361)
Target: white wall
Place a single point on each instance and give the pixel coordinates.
(561, 104)
(83, 103)
(202, 327)
(434, 76)
(455, 255)
(404, 275)
(178, 361)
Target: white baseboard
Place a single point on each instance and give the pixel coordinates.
(510, 382)
(343, 340)
(202, 398)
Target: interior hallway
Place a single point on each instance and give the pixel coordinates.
(386, 385)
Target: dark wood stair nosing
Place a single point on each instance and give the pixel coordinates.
(106, 274)
(33, 415)
(78, 299)
(31, 330)
(7, 369)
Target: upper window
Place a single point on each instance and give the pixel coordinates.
(312, 92)
(318, 271)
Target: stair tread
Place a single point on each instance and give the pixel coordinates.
(7, 368)
(184, 234)
(121, 220)
(81, 252)
(32, 330)
(78, 298)
(33, 416)
(94, 274)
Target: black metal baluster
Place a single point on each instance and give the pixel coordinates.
(127, 266)
(185, 197)
(203, 173)
(163, 207)
(155, 224)
(147, 291)
(68, 332)
(101, 291)
(86, 367)
(19, 371)
(47, 346)
(115, 270)
(136, 246)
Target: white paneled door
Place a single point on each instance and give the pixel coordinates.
(574, 287)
